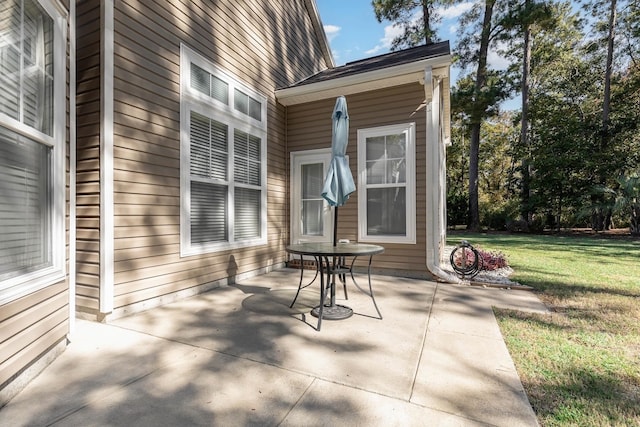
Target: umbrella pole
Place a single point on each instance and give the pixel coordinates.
(335, 225)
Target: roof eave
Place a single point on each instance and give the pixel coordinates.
(361, 82)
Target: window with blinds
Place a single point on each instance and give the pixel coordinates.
(224, 151)
(25, 175)
(32, 132)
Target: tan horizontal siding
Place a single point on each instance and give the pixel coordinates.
(29, 326)
(88, 154)
(309, 127)
(266, 45)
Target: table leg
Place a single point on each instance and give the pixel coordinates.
(370, 293)
(331, 311)
(300, 286)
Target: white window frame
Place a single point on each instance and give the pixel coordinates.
(193, 100)
(409, 129)
(19, 286)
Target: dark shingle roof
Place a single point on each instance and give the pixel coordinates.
(392, 59)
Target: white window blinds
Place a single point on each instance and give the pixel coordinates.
(24, 205)
(26, 64)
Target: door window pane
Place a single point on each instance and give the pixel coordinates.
(312, 201)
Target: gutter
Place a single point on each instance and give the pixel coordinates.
(360, 82)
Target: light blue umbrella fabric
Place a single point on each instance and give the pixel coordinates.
(338, 183)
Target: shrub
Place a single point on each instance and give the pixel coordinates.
(492, 260)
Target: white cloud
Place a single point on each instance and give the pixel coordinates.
(390, 33)
(454, 11)
(495, 60)
(331, 31)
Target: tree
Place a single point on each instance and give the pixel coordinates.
(523, 16)
(611, 64)
(488, 88)
(627, 200)
(416, 17)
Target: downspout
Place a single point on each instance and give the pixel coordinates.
(433, 179)
(72, 170)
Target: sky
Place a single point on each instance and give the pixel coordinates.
(354, 32)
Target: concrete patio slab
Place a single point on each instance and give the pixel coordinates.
(247, 320)
(327, 404)
(239, 355)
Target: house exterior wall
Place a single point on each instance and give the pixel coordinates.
(33, 328)
(266, 45)
(88, 154)
(309, 127)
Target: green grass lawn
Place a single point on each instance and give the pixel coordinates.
(580, 365)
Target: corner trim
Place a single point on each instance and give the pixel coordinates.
(106, 158)
(72, 168)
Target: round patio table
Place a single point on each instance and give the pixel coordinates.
(323, 253)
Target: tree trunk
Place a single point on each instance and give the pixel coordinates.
(606, 104)
(427, 22)
(601, 217)
(525, 210)
(474, 160)
(477, 115)
(635, 220)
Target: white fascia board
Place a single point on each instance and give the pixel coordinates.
(362, 82)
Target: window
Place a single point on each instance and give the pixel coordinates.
(223, 160)
(386, 190)
(32, 147)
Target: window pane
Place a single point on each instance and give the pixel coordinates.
(26, 64)
(246, 158)
(241, 101)
(255, 109)
(10, 81)
(312, 180)
(219, 90)
(200, 80)
(312, 201)
(375, 148)
(208, 147)
(210, 85)
(208, 212)
(386, 159)
(247, 213)
(386, 212)
(312, 223)
(396, 146)
(396, 171)
(25, 212)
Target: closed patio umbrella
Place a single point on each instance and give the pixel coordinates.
(338, 183)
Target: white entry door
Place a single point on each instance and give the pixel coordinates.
(311, 219)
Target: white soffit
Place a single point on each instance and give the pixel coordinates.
(364, 81)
